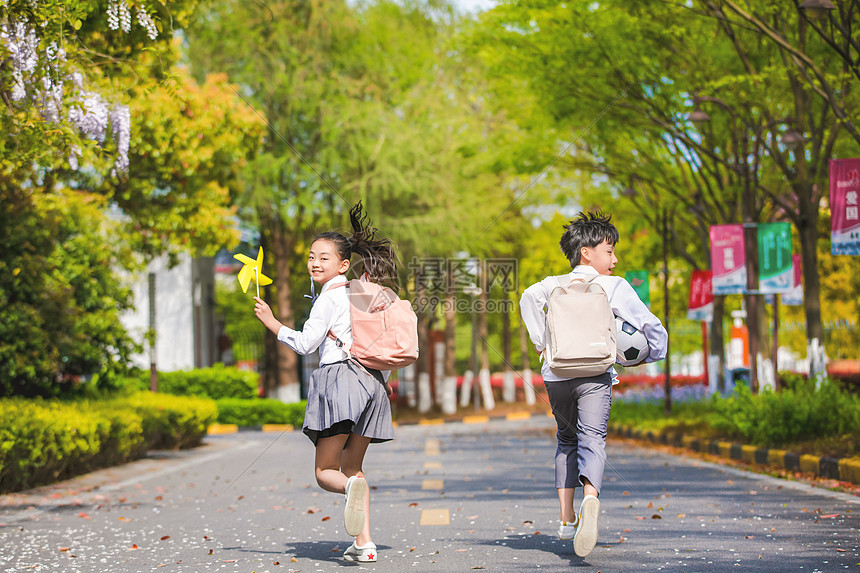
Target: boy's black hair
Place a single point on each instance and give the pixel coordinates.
(587, 230)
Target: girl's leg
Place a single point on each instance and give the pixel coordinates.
(328, 463)
(351, 460)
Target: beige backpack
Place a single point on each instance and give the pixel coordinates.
(580, 330)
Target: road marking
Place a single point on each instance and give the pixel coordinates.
(518, 416)
(435, 517)
(433, 484)
(431, 448)
(431, 422)
(476, 419)
(432, 465)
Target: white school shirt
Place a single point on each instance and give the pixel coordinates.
(623, 299)
(329, 312)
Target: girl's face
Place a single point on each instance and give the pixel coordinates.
(324, 263)
(602, 257)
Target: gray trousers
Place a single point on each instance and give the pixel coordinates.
(581, 409)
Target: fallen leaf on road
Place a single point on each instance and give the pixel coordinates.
(626, 531)
(412, 548)
(314, 510)
(276, 563)
(832, 515)
(413, 504)
(326, 518)
(158, 498)
(460, 550)
(164, 537)
(656, 516)
(749, 536)
(293, 559)
(650, 504)
(637, 517)
(64, 548)
(625, 493)
(211, 552)
(841, 550)
(84, 515)
(133, 547)
(682, 515)
(229, 560)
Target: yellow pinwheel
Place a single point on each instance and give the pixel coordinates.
(252, 269)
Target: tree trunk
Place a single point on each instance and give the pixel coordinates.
(286, 362)
(484, 374)
(509, 389)
(525, 346)
(808, 231)
(717, 343)
(422, 365)
(450, 374)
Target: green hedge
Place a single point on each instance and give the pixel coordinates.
(802, 411)
(42, 441)
(216, 382)
(260, 411)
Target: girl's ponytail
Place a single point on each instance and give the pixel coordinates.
(378, 258)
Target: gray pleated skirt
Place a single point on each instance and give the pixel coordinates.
(343, 398)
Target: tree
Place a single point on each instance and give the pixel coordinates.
(76, 206)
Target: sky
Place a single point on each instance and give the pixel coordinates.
(475, 5)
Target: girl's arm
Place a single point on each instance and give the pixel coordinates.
(265, 315)
(312, 334)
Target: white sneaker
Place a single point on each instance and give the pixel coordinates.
(586, 534)
(566, 529)
(364, 554)
(353, 512)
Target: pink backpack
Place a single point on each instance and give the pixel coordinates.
(384, 327)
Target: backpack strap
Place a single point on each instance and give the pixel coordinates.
(331, 334)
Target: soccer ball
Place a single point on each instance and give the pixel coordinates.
(631, 346)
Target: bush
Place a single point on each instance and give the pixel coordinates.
(45, 440)
(799, 412)
(216, 382)
(260, 411)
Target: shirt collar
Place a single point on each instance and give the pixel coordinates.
(585, 269)
(333, 281)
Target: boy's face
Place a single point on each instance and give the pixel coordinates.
(602, 257)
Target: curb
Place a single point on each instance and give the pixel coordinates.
(219, 429)
(842, 469)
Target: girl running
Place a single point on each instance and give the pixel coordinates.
(348, 406)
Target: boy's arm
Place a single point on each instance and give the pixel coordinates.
(627, 305)
(532, 304)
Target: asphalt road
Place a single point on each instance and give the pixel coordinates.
(454, 497)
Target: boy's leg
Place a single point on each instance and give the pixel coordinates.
(564, 408)
(594, 400)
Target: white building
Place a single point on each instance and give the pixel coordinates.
(178, 304)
